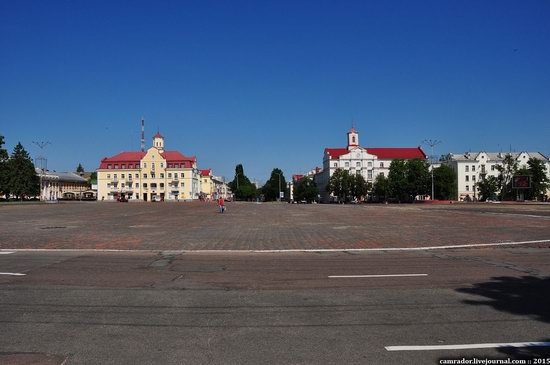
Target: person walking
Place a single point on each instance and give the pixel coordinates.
(221, 204)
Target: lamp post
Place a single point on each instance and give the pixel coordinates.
(279, 198)
(431, 143)
(43, 162)
(237, 177)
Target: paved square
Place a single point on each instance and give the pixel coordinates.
(268, 226)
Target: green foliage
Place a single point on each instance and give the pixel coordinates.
(3, 168)
(339, 184)
(445, 183)
(488, 187)
(381, 188)
(347, 187)
(80, 169)
(22, 178)
(274, 185)
(241, 185)
(507, 171)
(539, 178)
(305, 189)
(93, 178)
(407, 179)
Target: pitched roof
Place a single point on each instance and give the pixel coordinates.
(158, 135)
(206, 172)
(136, 157)
(394, 153)
(382, 153)
(175, 156)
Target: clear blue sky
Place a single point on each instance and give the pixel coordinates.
(271, 83)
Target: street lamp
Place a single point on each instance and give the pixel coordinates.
(237, 178)
(279, 198)
(432, 143)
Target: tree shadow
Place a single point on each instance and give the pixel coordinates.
(527, 296)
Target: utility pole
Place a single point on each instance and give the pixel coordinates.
(279, 197)
(431, 143)
(42, 160)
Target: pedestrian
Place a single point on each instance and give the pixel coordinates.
(221, 204)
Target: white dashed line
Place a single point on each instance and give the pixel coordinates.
(373, 276)
(12, 273)
(468, 346)
(5, 252)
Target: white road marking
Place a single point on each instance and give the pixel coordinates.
(468, 346)
(373, 276)
(12, 273)
(5, 252)
(420, 248)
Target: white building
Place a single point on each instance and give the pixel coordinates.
(471, 165)
(367, 161)
(62, 185)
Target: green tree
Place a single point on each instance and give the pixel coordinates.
(539, 178)
(274, 185)
(445, 183)
(381, 188)
(418, 177)
(488, 187)
(397, 180)
(339, 185)
(305, 189)
(241, 185)
(93, 178)
(3, 169)
(80, 169)
(358, 187)
(22, 178)
(507, 170)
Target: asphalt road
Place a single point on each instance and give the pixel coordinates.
(85, 307)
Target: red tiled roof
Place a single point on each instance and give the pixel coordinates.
(382, 153)
(297, 177)
(206, 172)
(135, 158)
(401, 153)
(158, 135)
(175, 156)
(336, 152)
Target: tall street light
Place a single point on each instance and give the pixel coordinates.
(279, 198)
(431, 143)
(237, 177)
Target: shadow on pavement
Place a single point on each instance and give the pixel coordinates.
(528, 296)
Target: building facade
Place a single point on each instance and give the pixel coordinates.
(153, 175)
(62, 185)
(470, 166)
(366, 161)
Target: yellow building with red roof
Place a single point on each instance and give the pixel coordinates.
(152, 175)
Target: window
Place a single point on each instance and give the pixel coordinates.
(467, 177)
(162, 185)
(116, 166)
(162, 164)
(369, 174)
(473, 168)
(382, 174)
(145, 164)
(108, 176)
(335, 164)
(169, 175)
(369, 164)
(109, 166)
(122, 185)
(145, 176)
(467, 187)
(123, 166)
(137, 196)
(358, 164)
(182, 185)
(492, 167)
(382, 165)
(473, 178)
(182, 174)
(122, 175)
(467, 168)
(145, 185)
(137, 176)
(347, 164)
(115, 176)
(153, 185)
(162, 175)
(137, 185)
(152, 175)
(108, 185)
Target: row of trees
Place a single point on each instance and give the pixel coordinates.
(244, 189)
(406, 180)
(17, 174)
(489, 186)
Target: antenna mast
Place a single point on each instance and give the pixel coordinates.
(142, 135)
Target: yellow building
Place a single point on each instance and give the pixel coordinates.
(154, 175)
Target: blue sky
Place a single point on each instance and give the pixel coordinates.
(272, 83)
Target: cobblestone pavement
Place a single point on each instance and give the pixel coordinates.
(250, 226)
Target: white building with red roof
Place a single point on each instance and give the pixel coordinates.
(153, 175)
(366, 161)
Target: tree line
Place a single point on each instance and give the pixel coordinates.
(17, 174)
